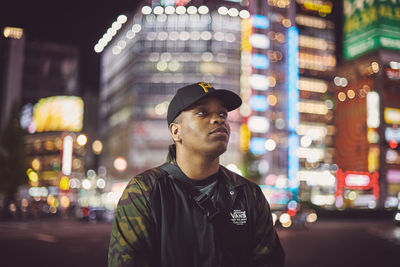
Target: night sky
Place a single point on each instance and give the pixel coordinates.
(74, 22)
(81, 23)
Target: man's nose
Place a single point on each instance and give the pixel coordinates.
(217, 119)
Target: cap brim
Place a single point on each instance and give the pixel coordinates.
(230, 100)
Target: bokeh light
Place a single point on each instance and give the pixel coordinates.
(97, 147)
(341, 96)
(64, 183)
(86, 184)
(36, 164)
(120, 164)
(312, 217)
(64, 201)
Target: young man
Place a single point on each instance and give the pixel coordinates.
(192, 211)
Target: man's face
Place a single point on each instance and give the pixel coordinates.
(204, 128)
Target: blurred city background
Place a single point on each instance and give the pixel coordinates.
(85, 89)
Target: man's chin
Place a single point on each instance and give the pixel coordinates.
(217, 150)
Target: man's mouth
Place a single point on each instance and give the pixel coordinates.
(220, 130)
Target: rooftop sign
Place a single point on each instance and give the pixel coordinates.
(370, 25)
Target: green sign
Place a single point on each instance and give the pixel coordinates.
(370, 25)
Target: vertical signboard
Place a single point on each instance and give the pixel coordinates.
(369, 25)
(293, 112)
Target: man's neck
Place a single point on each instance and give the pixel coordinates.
(197, 167)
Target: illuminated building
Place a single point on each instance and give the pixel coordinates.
(146, 57)
(43, 78)
(270, 97)
(12, 45)
(49, 111)
(368, 106)
(52, 115)
(317, 64)
(242, 47)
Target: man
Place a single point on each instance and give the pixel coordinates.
(192, 211)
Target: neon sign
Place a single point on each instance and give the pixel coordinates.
(393, 176)
(259, 82)
(258, 124)
(293, 113)
(326, 9)
(357, 180)
(259, 41)
(260, 22)
(392, 115)
(392, 74)
(392, 134)
(259, 61)
(257, 145)
(373, 120)
(258, 103)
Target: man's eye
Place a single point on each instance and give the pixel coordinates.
(201, 113)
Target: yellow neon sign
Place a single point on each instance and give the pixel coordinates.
(13, 32)
(321, 8)
(246, 32)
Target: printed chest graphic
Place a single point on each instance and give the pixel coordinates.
(238, 217)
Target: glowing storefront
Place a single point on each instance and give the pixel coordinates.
(55, 151)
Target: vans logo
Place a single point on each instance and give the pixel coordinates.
(238, 217)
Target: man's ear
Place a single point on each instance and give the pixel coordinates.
(175, 129)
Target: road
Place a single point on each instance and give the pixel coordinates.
(51, 243)
(344, 243)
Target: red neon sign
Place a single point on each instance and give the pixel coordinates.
(181, 2)
(393, 144)
(357, 180)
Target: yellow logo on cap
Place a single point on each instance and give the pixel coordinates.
(205, 86)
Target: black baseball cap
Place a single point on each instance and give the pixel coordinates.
(188, 95)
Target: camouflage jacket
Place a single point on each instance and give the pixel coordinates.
(157, 223)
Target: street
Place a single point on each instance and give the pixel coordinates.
(345, 243)
(57, 242)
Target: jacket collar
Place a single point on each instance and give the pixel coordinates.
(233, 180)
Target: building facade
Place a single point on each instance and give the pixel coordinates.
(368, 108)
(12, 46)
(155, 51)
(280, 57)
(270, 95)
(46, 85)
(317, 65)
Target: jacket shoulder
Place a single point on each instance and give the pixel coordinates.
(149, 176)
(142, 184)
